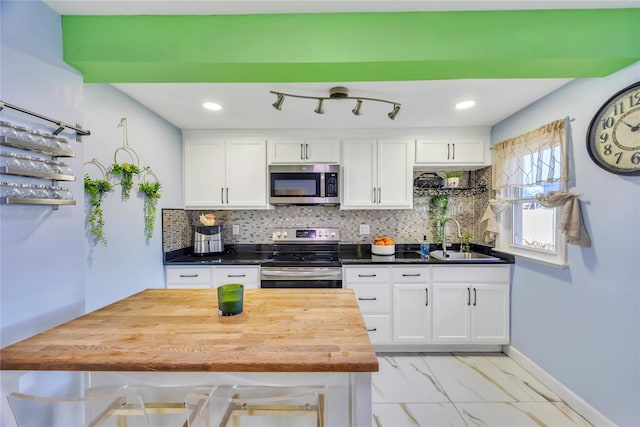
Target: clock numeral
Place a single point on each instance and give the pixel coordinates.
(607, 150)
(634, 99)
(618, 108)
(635, 158)
(604, 137)
(618, 156)
(608, 122)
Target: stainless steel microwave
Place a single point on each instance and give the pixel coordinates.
(307, 184)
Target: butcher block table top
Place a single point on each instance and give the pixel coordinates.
(179, 330)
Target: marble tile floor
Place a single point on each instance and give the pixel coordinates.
(445, 389)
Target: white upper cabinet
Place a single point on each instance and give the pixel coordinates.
(458, 152)
(377, 174)
(303, 150)
(225, 174)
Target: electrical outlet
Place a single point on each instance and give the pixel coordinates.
(364, 229)
(236, 229)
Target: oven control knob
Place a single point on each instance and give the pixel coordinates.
(278, 234)
(333, 234)
(284, 234)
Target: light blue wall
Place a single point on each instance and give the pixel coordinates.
(130, 262)
(582, 324)
(42, 279)
(49, 270)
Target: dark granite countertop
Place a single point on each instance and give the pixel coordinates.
(350, 254)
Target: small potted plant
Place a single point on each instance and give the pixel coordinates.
(96, 188)
(466, 241)
(453, 178)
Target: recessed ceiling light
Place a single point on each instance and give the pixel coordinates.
(465, 104)
(212, 106)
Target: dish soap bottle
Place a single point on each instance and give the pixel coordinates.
(424, 246)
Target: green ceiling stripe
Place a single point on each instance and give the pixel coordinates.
(352, 46)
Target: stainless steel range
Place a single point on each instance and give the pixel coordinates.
(303, 258)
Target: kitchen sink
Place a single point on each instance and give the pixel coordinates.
(462, 256)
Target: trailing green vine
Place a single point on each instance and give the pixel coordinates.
(151, 191)
(127, 170)
(438, 206)
(96, 188)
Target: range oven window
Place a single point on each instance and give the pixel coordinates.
(295, 184)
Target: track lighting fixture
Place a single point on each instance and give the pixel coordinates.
(396, 109)
(338, 92)
(278, 104)
(358, 109)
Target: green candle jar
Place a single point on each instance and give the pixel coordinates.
(230, 299)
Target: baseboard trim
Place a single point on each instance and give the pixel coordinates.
(577, 403)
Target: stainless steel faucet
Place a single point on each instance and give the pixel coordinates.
(444, 234)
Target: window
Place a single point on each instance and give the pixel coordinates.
(524, 168)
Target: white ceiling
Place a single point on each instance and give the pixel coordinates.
(248, 106)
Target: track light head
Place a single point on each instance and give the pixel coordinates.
(319, 108)
(396, 109)
(278, 104)
(358, 108)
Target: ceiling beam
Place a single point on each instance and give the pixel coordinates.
(341, 47)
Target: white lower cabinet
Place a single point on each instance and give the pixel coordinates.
(372, 286)
(206, 277)
(411, 305)
(432, 305)
(470, 305)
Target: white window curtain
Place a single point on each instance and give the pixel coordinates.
(533, 158)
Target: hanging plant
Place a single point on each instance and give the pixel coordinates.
(438, 206)
(96, 188)
(127, 170)
(151, 192)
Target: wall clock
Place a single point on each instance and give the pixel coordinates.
(613, 137)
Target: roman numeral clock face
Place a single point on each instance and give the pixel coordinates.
(613, 139)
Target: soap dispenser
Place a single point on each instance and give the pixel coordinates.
(424, 246)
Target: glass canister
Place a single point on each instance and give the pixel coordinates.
(9, 190)
(65, 146)
(8, 129)
(10, 160)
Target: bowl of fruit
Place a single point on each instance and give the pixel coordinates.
(383, 246)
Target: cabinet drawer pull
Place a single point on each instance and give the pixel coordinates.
(411, 275)
(368, 299)
(468, 296)
(372, 329)
(189, 275)
(426, 290)
(236, 275)
(366, 275)
(475, 297)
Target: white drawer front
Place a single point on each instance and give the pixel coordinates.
(366, 274)
(373, 298)
(181, 275)
(379, 328)
(237, 274)
(410, 274)
(471, 274)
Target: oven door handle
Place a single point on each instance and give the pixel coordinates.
(287, 273)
